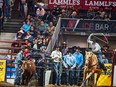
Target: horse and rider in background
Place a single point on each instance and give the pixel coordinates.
(26, 66)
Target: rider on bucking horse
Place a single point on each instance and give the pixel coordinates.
(96, 49)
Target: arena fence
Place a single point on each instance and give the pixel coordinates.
(46, 72)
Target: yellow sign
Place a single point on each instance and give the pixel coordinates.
(2, 69)
(105, 78)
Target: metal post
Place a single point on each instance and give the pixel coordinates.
(112, 74)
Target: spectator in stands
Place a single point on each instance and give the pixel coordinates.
(26, 26)
(17, 62)
(30, 6)
(56, 11)
(50, 29)
(29, 37)
(48, 16)
(69, 10)
(33, 32)
(20, 34)
(90, 13)
(112, 14)
(105, 48)
(46, 40)
(75, 14)
(64, 48)
(74, 49)
(69, 62)
(42, 28)
(37, 42)
(104, 59)
(42, 52)
(36, 22)
(57, 58)
(40, 12)
(23, 8)
(63, 14)
(15, 45)
(101, 12)
(79, 63)
(55, 20)
(28, 18)
(26, 52)
(106, 17)
(8, 6)
(46, 23)
(97, 16)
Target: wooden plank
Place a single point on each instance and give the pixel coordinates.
(6, 41)
(8, 47)
(6, 53)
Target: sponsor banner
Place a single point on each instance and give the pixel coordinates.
(91, 26)
(105, 78)
(83, 4)
(2, 69)
(114, 76)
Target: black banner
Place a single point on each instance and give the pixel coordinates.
(85, 25)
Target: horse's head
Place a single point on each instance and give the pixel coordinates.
(89, 54)
(91, 58)
(24, 65)
(28, 68)
(28, 65)
(88, 57)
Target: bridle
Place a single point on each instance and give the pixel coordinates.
(89, 59)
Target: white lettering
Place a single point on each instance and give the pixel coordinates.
(96, 3)
(69, 2)
(86, 4)
(101, 27)
(96, 26)
(50, 2)
(106, 26)
(91, 25)
(99, 3)
(66, 2)
(55, 2)
(106, 4)
(91, 3)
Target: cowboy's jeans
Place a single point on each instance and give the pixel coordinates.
(70, 74)
(7, 11)
(58, 73)
(77, 73)
(18, 77)
(99, 56)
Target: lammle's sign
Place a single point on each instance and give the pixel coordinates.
(83, 4)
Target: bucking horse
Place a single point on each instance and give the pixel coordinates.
(29, 70)
(91, 67)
